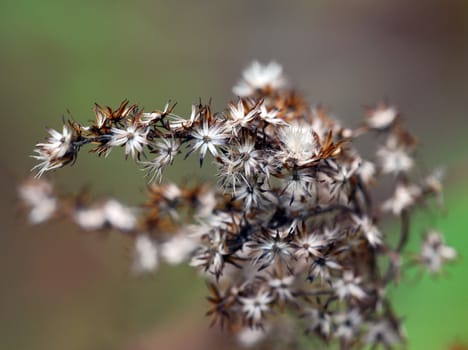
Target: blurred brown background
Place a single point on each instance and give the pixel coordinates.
(62, 289)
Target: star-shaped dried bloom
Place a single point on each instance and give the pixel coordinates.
(434, 252)
(393, 158)
(133, 137)
(208, 137)
(255, 307)
(349, 286)
(381, 117)
(260, 77)
(404, 197)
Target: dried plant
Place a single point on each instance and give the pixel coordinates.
(289, 235)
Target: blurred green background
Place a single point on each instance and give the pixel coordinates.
(62, 289)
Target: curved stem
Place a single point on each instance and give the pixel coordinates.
(404, 234)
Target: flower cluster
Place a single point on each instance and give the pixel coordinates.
(289, 234)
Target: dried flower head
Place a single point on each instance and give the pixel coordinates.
(288, 232)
